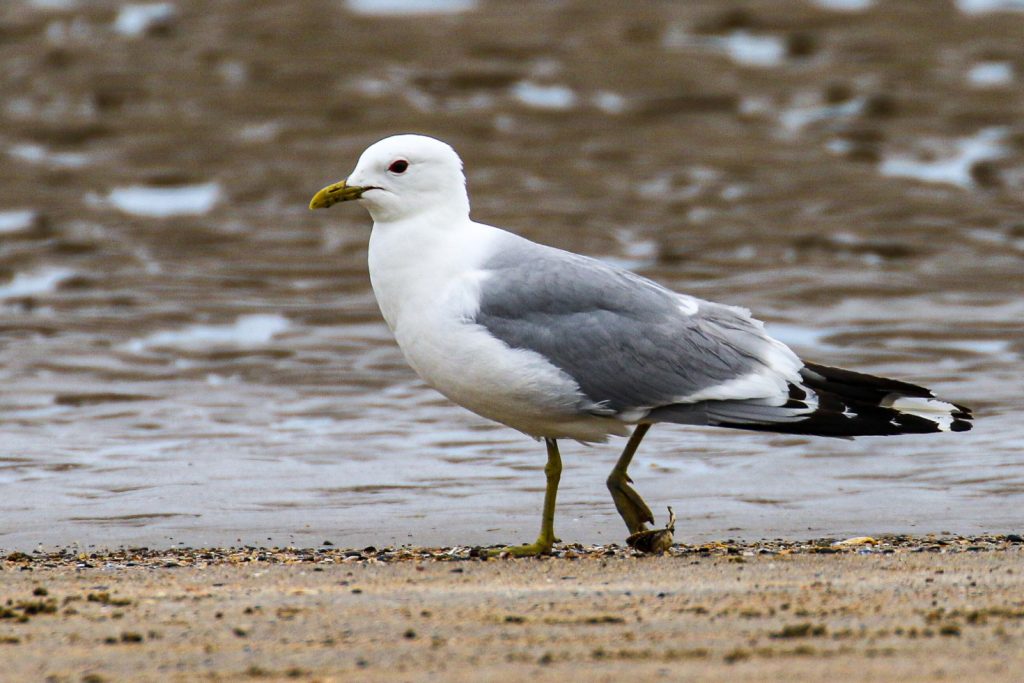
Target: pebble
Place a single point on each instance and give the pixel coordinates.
(204, 557)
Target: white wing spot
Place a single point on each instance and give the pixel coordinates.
(688, 305)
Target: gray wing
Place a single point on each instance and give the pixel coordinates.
(628, 342)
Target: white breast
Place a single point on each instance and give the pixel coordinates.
(427, 285)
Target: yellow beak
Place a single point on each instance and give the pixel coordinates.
(332, 194)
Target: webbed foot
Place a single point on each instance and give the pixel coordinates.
(538, 547)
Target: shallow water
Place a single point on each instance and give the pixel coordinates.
(187, 355)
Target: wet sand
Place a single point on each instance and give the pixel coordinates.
(903, 609)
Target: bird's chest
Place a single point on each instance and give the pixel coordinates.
(433, 326)
(427, 293)
(420, 286)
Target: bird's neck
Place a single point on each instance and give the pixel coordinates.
(413, 263)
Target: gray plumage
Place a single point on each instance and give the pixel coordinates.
(628, 342)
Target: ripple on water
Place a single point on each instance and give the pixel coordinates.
(990, 74)
(409, 7)
(17, 221)
(38, 154)
(246, 331)
(988, 6)
(138, 19)
(953, 165)
(553, 97)
(845, 5)
(162, 202)
(748, 49)
(36, 282)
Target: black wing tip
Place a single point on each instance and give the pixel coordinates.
(962, 412)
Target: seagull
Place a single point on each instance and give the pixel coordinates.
(562, 346)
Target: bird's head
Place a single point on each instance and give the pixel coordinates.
(402, 176)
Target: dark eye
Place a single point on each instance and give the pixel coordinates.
(398, 166)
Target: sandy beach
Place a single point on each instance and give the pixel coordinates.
(908, 609)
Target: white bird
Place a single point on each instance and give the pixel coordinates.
(562, 346)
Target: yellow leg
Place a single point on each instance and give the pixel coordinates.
(631, 506)
(542, 546)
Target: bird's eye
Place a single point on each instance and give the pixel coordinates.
(398, 166)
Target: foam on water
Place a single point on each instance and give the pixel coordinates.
(845, 5)
(38, 154)
(801, 116)
(161, 202)
(747, 49)
(986, 6)
(954, 169)
(637, 252)
(16, 221)
(33, 283)
(134, 20)
(554, 97)
(609, 102)
(409, 7)
(259, 133)
(742, 47)
(53, 4)
(990, 74)
(246, 331)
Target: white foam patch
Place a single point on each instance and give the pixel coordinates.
(16, 221)
(259, 132)
(986, 6)
(990, 74)
(750, 50)
(409, 7)
(53, 4)
(136, 19)
(246, 331)
(845, 5)
(954, 169)
(609, 102)
(161, 202)
(36, 282)
(799, 117)
(553, 97)
(37, 154)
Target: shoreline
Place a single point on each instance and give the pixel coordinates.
(328, 553)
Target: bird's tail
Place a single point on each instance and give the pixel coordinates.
(835, 402)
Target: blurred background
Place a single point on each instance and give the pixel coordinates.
(189, 355)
